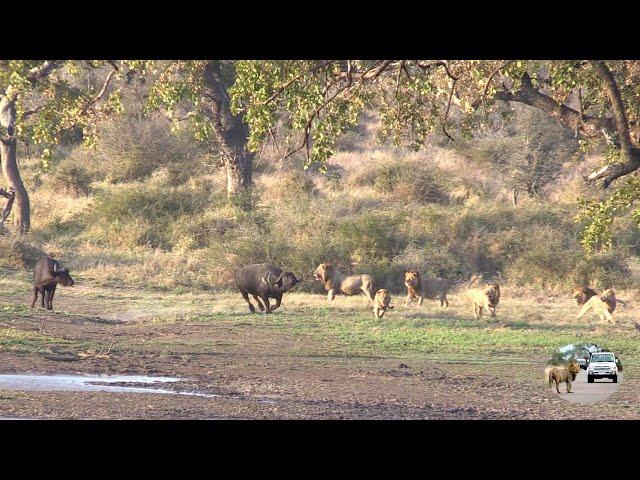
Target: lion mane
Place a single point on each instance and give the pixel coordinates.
(603, 305)
(483, 298)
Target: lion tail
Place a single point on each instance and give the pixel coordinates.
(548, 378)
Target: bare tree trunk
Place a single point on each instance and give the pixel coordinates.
(239, 175)
(232, 134)
(515, 193)
(22, 210)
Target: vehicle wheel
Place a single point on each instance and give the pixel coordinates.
(589, 378)
(615, 379)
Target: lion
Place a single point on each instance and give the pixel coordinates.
(337, 282)
(381, 303)
(565, 374)
(604, 305)
(486, 297)
(582, 294)
(431, 288)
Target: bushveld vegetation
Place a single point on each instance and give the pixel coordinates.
(146, 206)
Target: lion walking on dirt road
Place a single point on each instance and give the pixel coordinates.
(560, 375)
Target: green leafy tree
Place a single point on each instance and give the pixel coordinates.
(318, 100)
(196, 91)
(41, 101)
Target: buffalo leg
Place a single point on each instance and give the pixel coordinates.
(443, 301)
(50, 304)
(42, 297)
(35, 296)
(257, 299)
(266, 304)
(278, 301)
(246, 297)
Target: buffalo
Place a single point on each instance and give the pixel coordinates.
(264, 281)
(46, 277)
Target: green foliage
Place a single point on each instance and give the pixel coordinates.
(322, 99)
(264, 88)
(142, 215)
(52, 98)
(599, 216)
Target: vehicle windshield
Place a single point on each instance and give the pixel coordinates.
(598, 357)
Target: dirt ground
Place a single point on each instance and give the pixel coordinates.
(277, 366)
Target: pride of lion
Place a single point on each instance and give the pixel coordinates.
(483, 297)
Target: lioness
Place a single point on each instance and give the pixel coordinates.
(486, 297)
(431, 288)
(337, 282)
(562, 374)
(381, 303)
(604, 305)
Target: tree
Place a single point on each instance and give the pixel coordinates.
(39, 102)
(196, 91)
(320, 99)
(525, 146)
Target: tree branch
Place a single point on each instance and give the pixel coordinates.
(41, 71)
(630, 153)
(446, 115)
(371, 73)
(493, 74)
(617, 105)
(102, 91)
(288, 83)
(440, 63)
(588, 126)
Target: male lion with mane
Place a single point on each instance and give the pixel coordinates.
(565, 374)
(381, 303)
(421, 288)
(582, 294)
(337, 282)
(604, 305)
(483, 298)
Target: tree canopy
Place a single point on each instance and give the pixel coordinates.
(318, 100)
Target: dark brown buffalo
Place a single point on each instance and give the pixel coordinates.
(264, 281)
(46, 277)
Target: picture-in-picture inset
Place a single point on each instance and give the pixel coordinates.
(584, 373)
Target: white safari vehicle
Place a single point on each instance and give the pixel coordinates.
(602, 365)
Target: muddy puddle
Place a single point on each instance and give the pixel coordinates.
(101, 383)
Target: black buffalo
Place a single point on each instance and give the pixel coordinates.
(264, 281)
(46, 277)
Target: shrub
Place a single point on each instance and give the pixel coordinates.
(18, 252)
(410, 182)
(71, 178)
(133, 147)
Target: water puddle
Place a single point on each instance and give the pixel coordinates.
(99, 383)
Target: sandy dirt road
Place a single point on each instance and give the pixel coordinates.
(589, 393)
